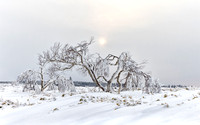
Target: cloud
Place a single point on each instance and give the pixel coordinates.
(166, 33)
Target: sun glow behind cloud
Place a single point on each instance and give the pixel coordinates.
(102, 41)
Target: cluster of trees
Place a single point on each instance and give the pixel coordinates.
(121, 69)
(34, 80)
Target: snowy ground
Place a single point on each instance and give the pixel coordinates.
(88, 107)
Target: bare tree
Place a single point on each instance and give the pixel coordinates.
(130, 70)
(47, 76)
(102, 64)
(48, 73)
(41, 64)
(66, 57)
(29, 78)
(65, 84)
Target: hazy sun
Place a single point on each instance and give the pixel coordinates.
(102, 41)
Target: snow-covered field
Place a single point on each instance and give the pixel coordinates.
(88, 106)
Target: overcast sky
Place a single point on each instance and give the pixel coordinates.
(166, 33)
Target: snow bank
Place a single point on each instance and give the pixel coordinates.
(171, 107)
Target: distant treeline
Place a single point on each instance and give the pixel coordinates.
(87, 84)
(1, 82)
(76, 83)
(174, 86)
(92, 84)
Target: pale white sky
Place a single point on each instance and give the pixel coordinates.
(164, 32)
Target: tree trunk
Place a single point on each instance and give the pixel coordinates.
(94, 79)
(109, 86)
(118, 81)
(42, 80)
(126, 82)
(120, 86)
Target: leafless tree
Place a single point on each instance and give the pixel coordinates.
(47, 76)
(65, 84)
(47, 72)
(66, 57)
(41, 64)
(102, 64)
(130, 70)
(29, 78)
(125, 71)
